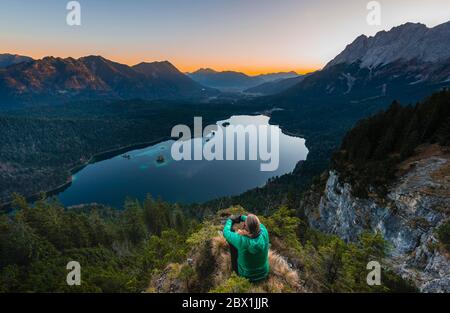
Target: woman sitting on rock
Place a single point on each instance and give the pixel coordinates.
(249, 247)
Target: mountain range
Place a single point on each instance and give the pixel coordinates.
(402, 62)
(274, 87)
(235, 81)
(54, 79)
(408, 42)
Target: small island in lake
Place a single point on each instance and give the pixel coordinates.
(160, 159)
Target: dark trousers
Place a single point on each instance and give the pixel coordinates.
(234, 258)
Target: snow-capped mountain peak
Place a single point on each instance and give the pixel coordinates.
(410, 41)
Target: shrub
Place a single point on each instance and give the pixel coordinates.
(443, 233)
(234, 284)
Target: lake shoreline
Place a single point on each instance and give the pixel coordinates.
(5, 206)
(120, 150)
(94, 159)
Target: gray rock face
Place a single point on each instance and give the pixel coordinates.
(406, 42)
(416, 205)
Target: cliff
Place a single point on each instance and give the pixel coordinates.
(416, 205)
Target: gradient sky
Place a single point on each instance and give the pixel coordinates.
(253, 36)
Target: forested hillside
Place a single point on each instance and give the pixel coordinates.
(41, 146)
(371, 151)
(153, 245)
(392, 176)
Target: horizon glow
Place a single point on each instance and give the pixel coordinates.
(249, 36)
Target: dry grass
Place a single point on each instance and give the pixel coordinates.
(442, 175)
(422, 152)
(211, 260)
(282, 278)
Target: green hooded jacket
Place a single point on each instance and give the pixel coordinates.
(253, 253)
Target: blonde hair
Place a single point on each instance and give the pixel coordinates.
(252, 225)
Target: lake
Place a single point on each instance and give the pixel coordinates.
(152, 170)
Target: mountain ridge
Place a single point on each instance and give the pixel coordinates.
(53, 79)
(235, 81)
(374, 71)
(406, 42)
(275, 87)
(8, 59)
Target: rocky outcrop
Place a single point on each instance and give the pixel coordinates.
(417, 203)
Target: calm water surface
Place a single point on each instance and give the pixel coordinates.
(138, 173)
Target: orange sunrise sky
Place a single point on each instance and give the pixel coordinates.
(252, 36)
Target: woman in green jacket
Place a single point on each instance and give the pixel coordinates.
(252, 245)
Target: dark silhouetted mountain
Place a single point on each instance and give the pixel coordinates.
(55, 79)
(225, 81)
(166, 72)
(277, 76)
(11, 59)
(274, 87)
(235, 81)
